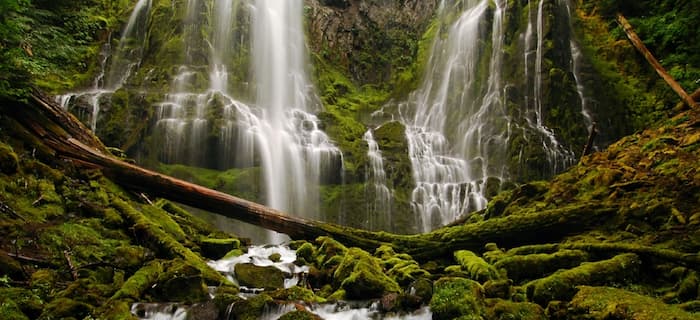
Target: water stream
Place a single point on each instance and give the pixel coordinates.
(116, 66)
(379, 196)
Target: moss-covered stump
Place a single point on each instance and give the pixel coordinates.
(252, 276)
(612, 303)
(533, 266)
(361, 276)
(562, 285)
(457, 298)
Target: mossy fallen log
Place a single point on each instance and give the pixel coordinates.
(562, 285)
(69, 139)
(612, 303)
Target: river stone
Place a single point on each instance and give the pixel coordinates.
(250, 275)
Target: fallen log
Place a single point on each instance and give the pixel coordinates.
(69, 139)
(627, 27)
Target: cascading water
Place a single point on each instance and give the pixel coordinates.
(293, 150)
(456, 126)
(558, 157)
(124, 60)
(379, 196)
(576, 61)
(277, 130)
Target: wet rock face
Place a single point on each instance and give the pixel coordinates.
(368, 38)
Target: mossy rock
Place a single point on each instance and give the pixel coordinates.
(504, 309)
(562, 285)
(299, 315)
(139, 282)
(457, 298)
(252, 308)
(250, 275)
(216, 248)
(66, 308)
(9, 162)
(361, 276)
(10, 310)
(296, 294)
(180, 281)
(613, 303)
(475, 266)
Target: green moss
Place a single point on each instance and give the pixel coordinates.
(532, 266)
(296, 294)
(612, 303)
(216, 248)
(299, 315)
(139, 282)
(476, 267)
(457, 298)
(504, 309)
(562, 284)
(250, 275)
(65, 308)
(362, 277)
(9, 162)
(252, 308)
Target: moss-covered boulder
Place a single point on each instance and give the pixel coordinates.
(299, 315)
(504, 309)
(457, 298)
(250, 275)
(613, 303)
(252, 308)
(216, 248)
(361, 276)
(297, 294)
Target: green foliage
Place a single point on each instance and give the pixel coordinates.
(51, 43)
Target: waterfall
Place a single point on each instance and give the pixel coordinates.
(456, 125)
(558, 157)
(277, 130)
(576, 60)
(378, 193)
(124, 60)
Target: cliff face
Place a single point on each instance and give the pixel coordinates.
(370, 39)
(558, 72)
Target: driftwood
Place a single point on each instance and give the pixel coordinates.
(67, 138)
(654, 63)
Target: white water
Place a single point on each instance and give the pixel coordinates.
(124, 60)
(450, 171)
(379, 196)
(277, 130)
(260, 256)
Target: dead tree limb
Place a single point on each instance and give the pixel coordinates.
(44, 119)
(654, 63)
